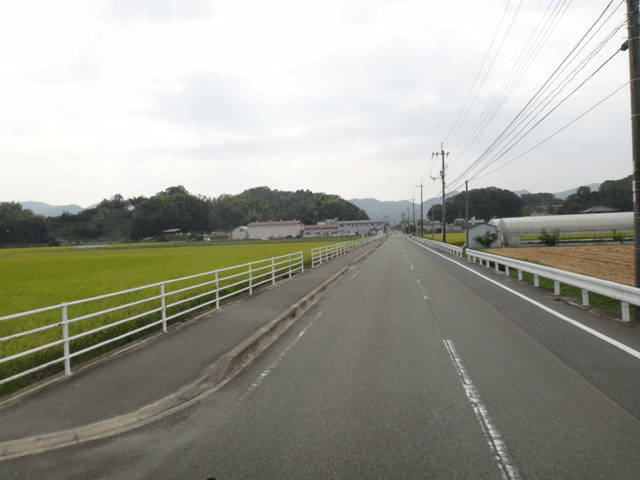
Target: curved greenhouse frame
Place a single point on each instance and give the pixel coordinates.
(511, 230)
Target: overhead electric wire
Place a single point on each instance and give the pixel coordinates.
(495, 35)
(553, 134)
(553, 95)
(561, 67)
(521, 115)
(520, 67)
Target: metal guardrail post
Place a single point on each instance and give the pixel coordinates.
(164, 308)
(65, 339)
(556, 287)
(624, 306)
(250, 281)
(217, 291)
(536, 280)
(585, 297)
(302, 262)
(290, 264)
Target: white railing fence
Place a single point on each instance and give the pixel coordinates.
(623, 293)
(320, 255)
(84, 325)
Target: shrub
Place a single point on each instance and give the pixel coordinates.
(617, 237)
(550, 239)
(487, 239)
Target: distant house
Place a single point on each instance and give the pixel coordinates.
(172, 231)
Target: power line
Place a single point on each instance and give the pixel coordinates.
(553, 134)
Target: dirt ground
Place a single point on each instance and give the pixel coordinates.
(608, 262)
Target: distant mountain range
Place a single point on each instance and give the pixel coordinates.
(376, 209)
(46, 210)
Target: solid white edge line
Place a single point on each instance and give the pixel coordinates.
(505, 462)
(575, 323)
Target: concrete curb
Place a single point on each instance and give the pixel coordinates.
(215, 377)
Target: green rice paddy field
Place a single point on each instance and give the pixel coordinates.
(33, 278)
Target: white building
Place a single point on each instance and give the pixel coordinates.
(361, 227)
(269, 230)
(329, 228)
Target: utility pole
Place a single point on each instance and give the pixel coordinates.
(444, 205)
(413, 204)
(466, 214)
(421, 212)
(633, 43)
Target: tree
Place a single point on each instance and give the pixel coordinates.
(484, 203)
(18, 225)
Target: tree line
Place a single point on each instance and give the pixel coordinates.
(120, 219)
(490, 202)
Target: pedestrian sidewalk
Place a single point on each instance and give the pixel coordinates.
(155, 369)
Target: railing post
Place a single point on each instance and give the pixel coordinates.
(497, 267)
(217, 291)
(65, 339)
(624, 306)
(273, 271)
(519, 274)
(290, 264)
(301, 262)
(556, 287)
(536, 281)
(506, 270)
(164, 308)
(250, 281)
(585, 297)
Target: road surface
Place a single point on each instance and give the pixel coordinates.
(417, 365)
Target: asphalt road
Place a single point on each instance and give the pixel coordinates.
(414, 366)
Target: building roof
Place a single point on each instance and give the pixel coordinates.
(599, 209)
(172, 230)
(321, 227)
(281, 223)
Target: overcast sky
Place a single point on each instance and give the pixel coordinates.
(343, 97)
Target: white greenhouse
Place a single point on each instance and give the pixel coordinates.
(511, 230)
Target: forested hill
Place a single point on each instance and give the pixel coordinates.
(120, 219)
(262, 203)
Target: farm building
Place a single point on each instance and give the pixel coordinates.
(328, 228)
(511, 230)
(361, 227)
(240, 233)
(281, 229)
(479, 230)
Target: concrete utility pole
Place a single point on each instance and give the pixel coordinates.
(444, 205)
(421, 212)
(466, 214)
(413, 204)
(633, 43)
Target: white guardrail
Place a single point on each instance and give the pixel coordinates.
(445, 247)
(624, 293)
(166, 300)
(320, 255)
